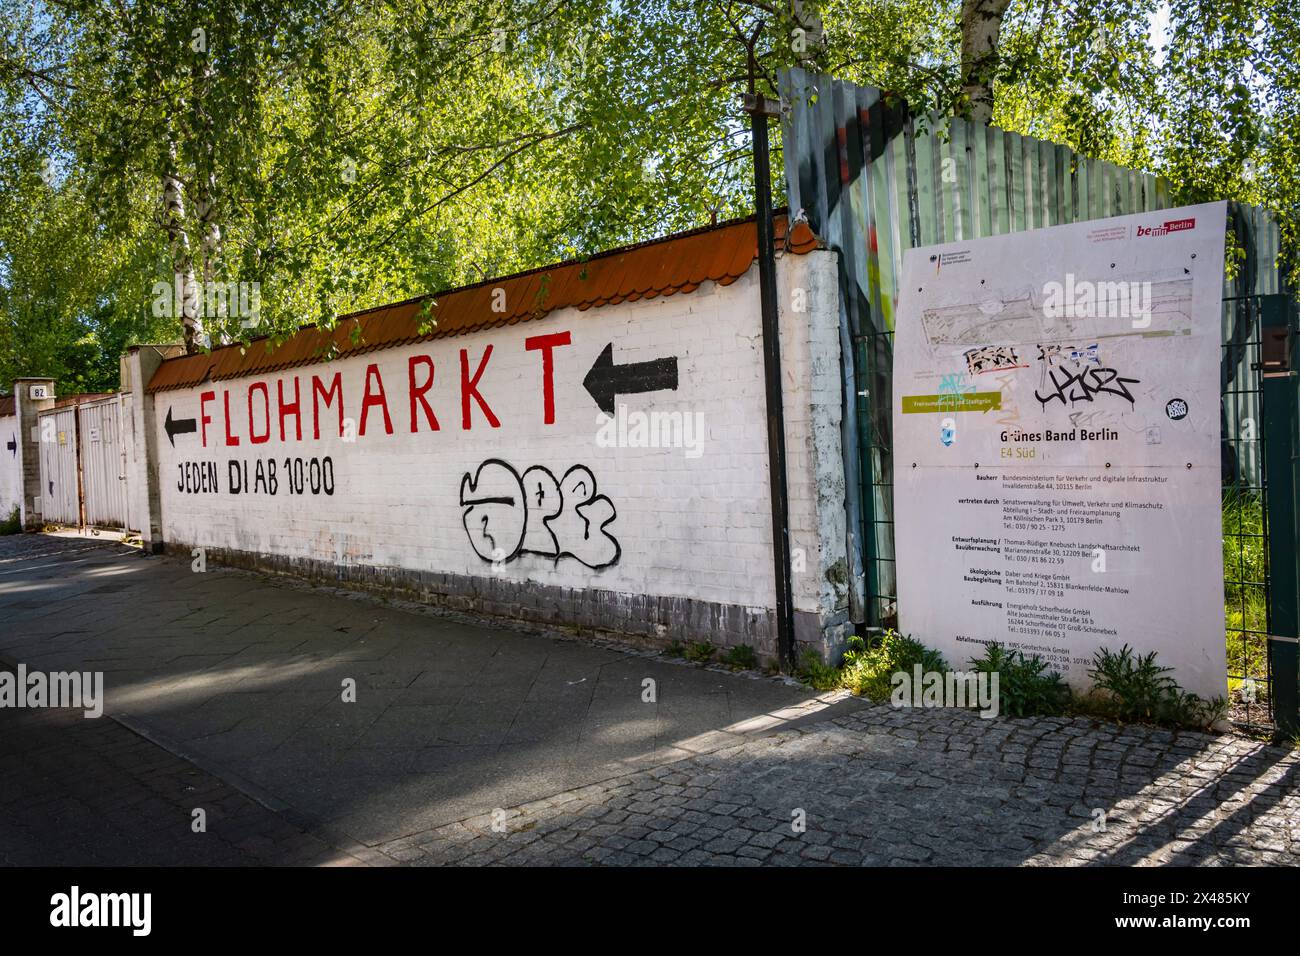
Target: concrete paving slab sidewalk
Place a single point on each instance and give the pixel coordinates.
(77, 792)
(243, 675)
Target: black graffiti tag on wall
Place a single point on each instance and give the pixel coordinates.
(1081, 379)
(508, 514)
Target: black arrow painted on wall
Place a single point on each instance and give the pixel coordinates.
(607, 380)
(178, 426)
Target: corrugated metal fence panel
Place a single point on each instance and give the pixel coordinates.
(1259, 243)
(946, 180)
(60, 503)
(103, 479)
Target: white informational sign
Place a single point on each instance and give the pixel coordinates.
(1057, 444)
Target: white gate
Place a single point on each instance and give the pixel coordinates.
(103, 467)
(60, 498)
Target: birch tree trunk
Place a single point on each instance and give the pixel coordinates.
(981, 27)
(205, 208)
(178, 243)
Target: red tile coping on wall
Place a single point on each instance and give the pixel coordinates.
(677, 263)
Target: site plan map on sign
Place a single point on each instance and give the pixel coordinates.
(1056, 443)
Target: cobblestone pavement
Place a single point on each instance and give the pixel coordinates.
(873, 786)
(914, 787)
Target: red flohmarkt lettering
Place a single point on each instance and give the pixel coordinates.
(287, 403)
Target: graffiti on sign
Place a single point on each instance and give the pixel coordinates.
(953, 390)
(992, 358)
(1054, 353)
(1071, 375)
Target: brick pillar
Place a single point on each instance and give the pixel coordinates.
(31, 395)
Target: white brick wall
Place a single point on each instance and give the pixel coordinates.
(695, 527)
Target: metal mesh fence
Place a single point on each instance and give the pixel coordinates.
(1245, 516)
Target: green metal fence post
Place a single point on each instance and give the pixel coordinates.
(1281, 436)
